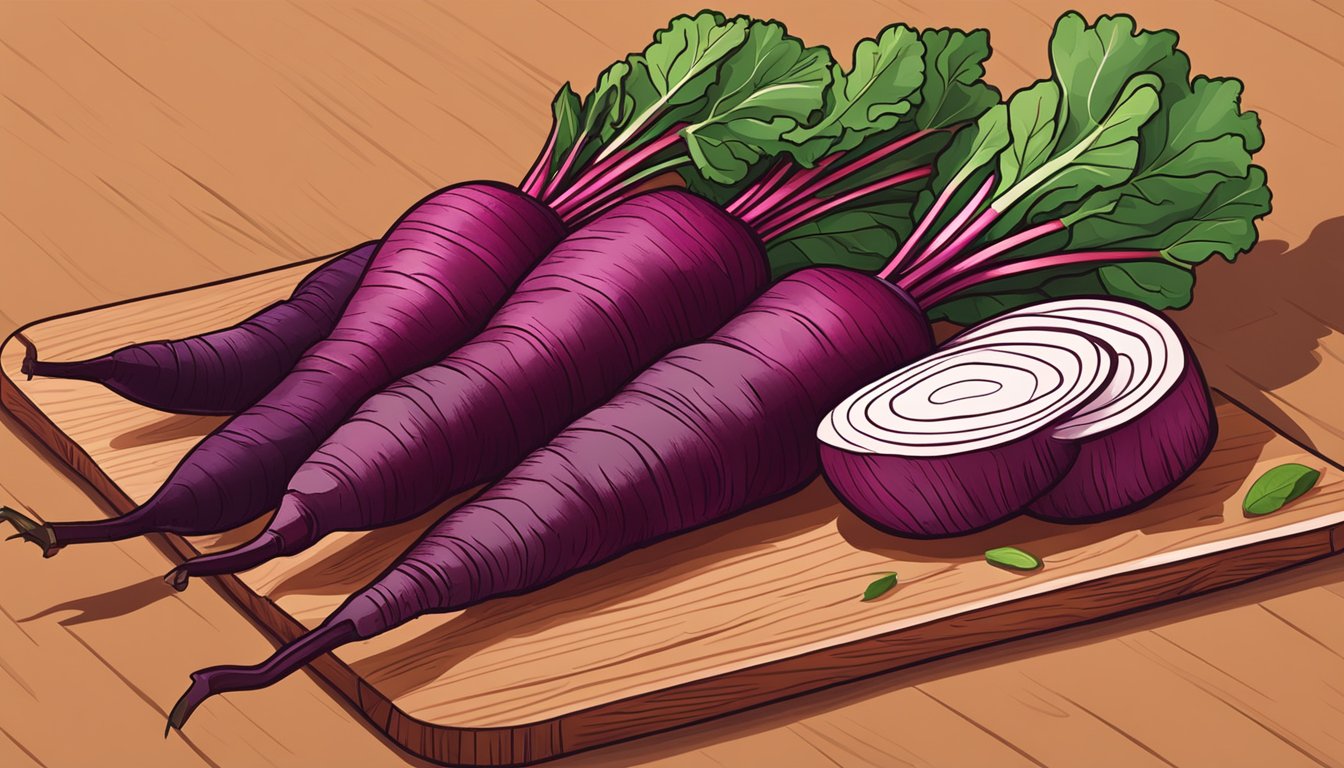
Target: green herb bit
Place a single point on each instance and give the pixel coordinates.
(1012, 558)
(880, 587)
(1277, 487)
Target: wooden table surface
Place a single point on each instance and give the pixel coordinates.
(148, 146)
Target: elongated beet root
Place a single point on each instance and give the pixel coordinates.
(1147, 432)
(708, 431)
(223, 372)
(432, 284)
(660, 270)
(959, 441)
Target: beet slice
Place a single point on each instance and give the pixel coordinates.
(961, 440)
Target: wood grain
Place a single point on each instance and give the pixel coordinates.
(756, 609)
(148, 146)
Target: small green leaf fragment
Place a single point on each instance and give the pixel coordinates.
(880, 587)
(1012, 558)
(1277, 487)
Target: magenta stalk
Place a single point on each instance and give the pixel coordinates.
(983, 256)
(543, 161)
(815, 209)
(1031, 265)
(608, 171)
(762, 185)
(925, 262)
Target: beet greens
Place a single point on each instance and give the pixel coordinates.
(1118, 175)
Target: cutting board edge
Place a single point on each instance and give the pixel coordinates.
(700, 700)
(697, 701)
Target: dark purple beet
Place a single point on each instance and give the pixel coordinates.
(933, 497)
(432, 284)
(1132, 465)
(708, 431)
(660, 270)
(223, 372)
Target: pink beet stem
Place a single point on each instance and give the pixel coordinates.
(985, 255)
(944, 258)
(760, 187)
(594, 179)
(925, 262)
(582, 210)
(815, 209)
(787, 189)
(908, 246)
(535, 173)
(560, 173)
(1031, 265)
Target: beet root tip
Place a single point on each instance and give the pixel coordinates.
(177, 578)
(208, 682)
(29, 529)
(198, 692)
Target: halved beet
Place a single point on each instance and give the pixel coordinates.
(961, 440)
(1142, 435)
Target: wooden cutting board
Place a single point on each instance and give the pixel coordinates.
(759, 608)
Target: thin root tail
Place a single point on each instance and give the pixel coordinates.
(177, 578)
(29, 529)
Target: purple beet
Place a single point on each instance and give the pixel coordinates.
(1076, 409)
(708, 431)
(431, 285)
(1147, 433)
(224, 371)
(660, 270)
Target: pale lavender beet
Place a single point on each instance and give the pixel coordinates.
(708, 431)
(224, 371)
(431, 285)
(657, 271)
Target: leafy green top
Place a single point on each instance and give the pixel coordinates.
(893, 110)
(1119, 154)
(714, 92)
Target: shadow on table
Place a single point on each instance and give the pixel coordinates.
(172, 426)
(109, 604)
(1257, 324)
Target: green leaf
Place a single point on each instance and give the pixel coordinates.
(1048, 166)
(1277, 487)
(1128, 153)
(565, 110)
(878, 91)
(1195, 193)
(1158, 284)
(998, 296)
(953, 90)
(769, 87)
(1012, 558)
(667, 83)
(880, 587)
